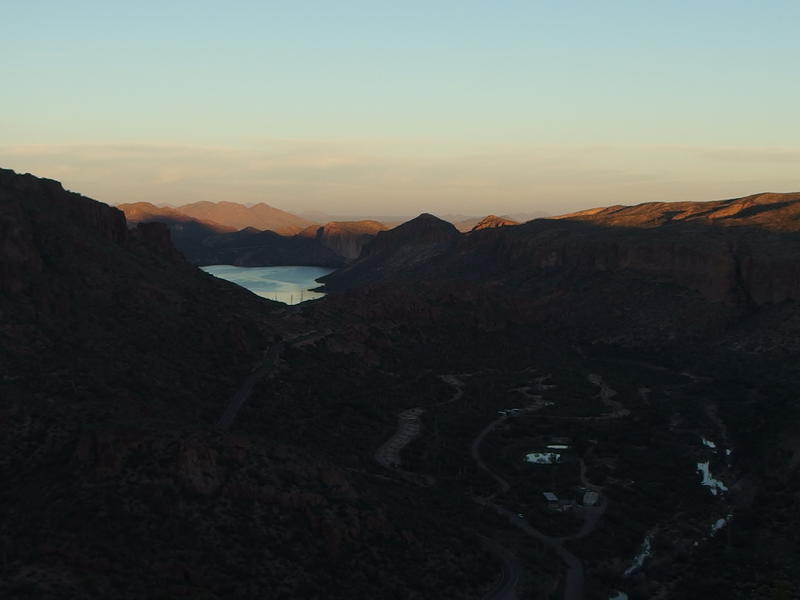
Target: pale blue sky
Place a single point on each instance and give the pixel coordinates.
(393, 107)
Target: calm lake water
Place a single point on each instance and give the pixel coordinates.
(284, 284)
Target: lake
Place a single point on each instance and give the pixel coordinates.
(289, 285)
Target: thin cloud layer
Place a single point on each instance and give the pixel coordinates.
(381, 177)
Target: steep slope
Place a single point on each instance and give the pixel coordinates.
(345, 238)
(253, 248)
(188, 234)
(399, 252)
(117, 359)
(89, 295)
(261, 216)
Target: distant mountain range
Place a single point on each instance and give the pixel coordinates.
(230, 233)
(231, 214)
(260, 235)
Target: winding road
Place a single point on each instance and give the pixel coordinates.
(409, 428)
(268, 364)
(573, 587)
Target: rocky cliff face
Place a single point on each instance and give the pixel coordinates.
(740, 252)
(492, 222)
(740, 257)
(345, 238)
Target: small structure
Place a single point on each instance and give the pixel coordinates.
(591, 498)
(550, 496)
(557, 447)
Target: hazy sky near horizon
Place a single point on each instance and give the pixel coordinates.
(377, 107)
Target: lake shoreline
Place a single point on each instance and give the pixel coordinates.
(288, 284)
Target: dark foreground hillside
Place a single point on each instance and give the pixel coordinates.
(117, 359)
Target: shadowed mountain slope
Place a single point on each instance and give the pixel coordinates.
(85, 290)
(145, 212)
(399, 252)
(117, 358)
(253, 248)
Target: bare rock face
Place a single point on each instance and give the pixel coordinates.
(492, 222)
(345, 238)
(156, 236)
(775, 212)
(741, 250)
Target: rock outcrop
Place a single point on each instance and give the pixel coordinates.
(492, 221)
(345, 238)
